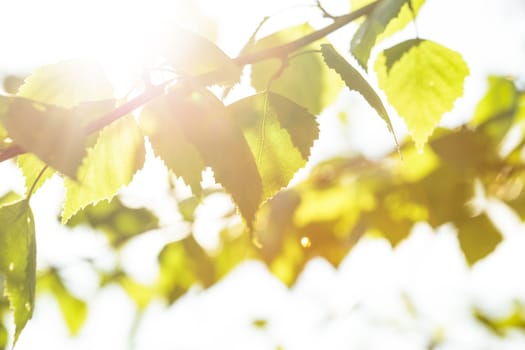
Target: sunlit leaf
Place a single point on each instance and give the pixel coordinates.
(65, 84)
(158, 121)
(119, 222)
(501, 326)
(495, 111)
(207, 125)
(305, 79)
(18, 260)
(422, 85)
(478, 237)
(117, 155)
(190, 54)
(377, 23)
(183, 264)
(354, 81)
(47, 131)
(279, 133)
(74, 310)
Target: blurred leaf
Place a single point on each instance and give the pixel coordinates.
(118, 222)
(74, 310)
(206, 124)
(183, 264)
(159, 122)
(18, 260)
(375, 24)
(478, 237)
(117, 155)
(354, 81)
(279, 133)
(191, 54)
(501, 98)
(495, 112)
(141, 294)
(187, 208)
(260, 323)
(305, 80)
(501, 326)
(12, 83)
(422, 85)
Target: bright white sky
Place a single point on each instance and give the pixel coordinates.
(361, 305)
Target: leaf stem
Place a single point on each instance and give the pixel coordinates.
(209, 78)
(33, 185)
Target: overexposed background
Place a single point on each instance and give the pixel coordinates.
(378, 298)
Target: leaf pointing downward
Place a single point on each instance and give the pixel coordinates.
(355, 81)
(18, 260)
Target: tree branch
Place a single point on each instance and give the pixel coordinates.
(208, 78)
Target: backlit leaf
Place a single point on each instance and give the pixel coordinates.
(159, 122)
(65, 84)
(206, 123)
(478, 237)
(117, 155)
(47, 131)
(118, 222)
(18, 260)
(422, 85)
(191, 54)
(279, 133)
(366, 36)
(183, 264)
(354, 81)
(74, 310)
(305, 80)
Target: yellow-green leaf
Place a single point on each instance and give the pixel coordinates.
(207, 125)
(500, 100)
(74, 310)
(355, 81)
(117, 155)
(18, 260)
(478, 237)
(65, 84)
(183, 264)
(375, 24)
(159, 122)
(279, 133)
(305, 80)
(119, 222)
(422, 85)
(191, 54)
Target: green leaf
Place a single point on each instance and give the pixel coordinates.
(422, 85)
(74, 310)
(191, 54)
(12, 83)
(305, 80)
(500, 99)
(366, 36)
(279, 133)
(117, 155)
(159, 122)
(18, 260)
(118, 222)
(355, 81)
(65, 84)
(183, 264)
(47, 131)
(207, 125)
(478, 237)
